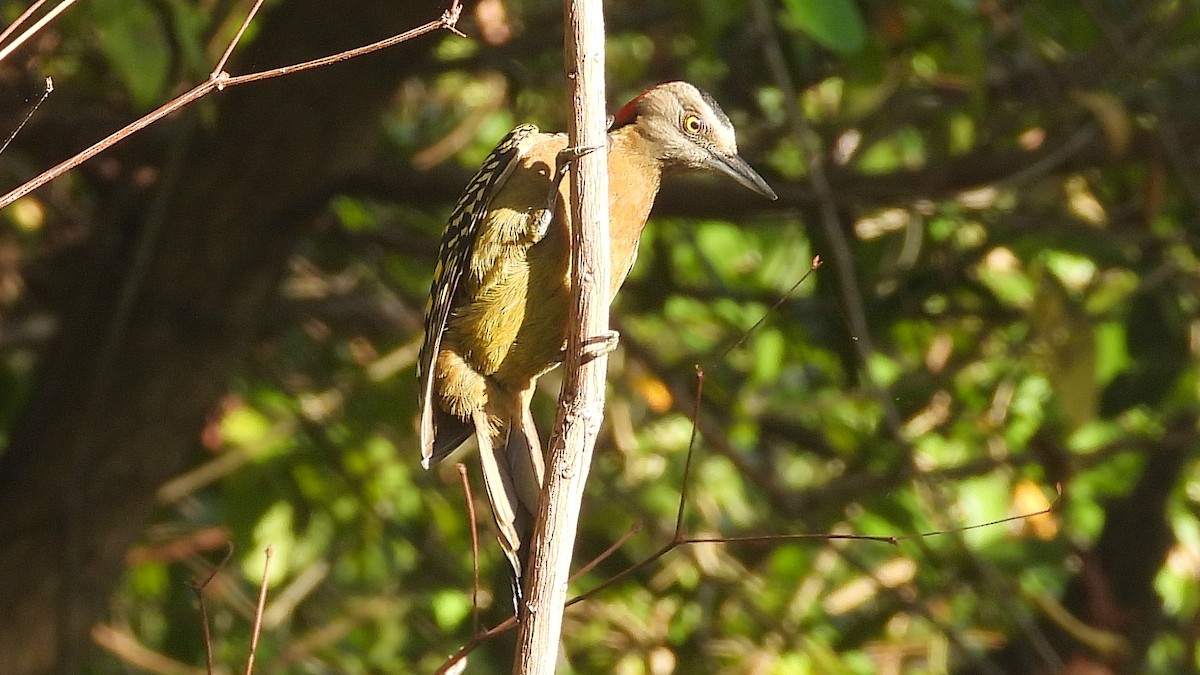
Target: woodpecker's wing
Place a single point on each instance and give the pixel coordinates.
(454, 256)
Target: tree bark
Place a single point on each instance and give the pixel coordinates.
(168, 299)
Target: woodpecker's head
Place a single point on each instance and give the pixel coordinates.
(689, 129)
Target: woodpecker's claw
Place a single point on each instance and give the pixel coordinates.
(600, 345)
(567, 155)
(595, 347)
(561, 161)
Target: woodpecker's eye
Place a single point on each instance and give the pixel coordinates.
(692, 124)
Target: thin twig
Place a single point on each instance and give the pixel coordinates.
(29, 115)
(466, 486)
(687, 465)
(151, 118)
(776, 538)
(450, 18)
(886, 539)
(237, 37)
(438, 24)
(198, 589)
(208, 656)
(679, 539)
(478, 638)
(12, 27)
(816, 263)
(32, 30)
(616, 546)
(220, 82)
(474, 643)
(687, 462)
(258, 611)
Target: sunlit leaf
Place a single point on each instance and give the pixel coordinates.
(135, 42)
(836, 24)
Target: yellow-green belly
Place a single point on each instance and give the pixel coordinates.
(513, 328)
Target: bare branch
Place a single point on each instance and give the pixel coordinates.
(581, 401)
(452, 664)
(616, 546)
(258, 612)
(816, 263)
(466, 486)
(198, 589)
(28, 116)
(219, 81)
(12, 27)
(237, 37)
(40, 24)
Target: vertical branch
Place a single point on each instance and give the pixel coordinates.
(581, 402)
(258, 611)
(466, 485)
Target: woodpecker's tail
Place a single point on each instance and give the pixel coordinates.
(513, 474)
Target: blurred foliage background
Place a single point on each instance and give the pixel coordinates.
(208, 336)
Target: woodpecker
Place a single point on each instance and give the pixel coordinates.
(498, 307)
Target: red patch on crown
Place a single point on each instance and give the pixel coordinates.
(628, 112)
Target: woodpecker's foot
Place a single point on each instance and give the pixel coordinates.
(594, 347)
(545, 215)
(600, 345)
(568, 155)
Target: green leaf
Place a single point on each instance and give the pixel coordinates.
(836, 24)
(136, 44)
(188, 26)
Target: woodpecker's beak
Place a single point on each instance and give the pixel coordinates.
(736, 168)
